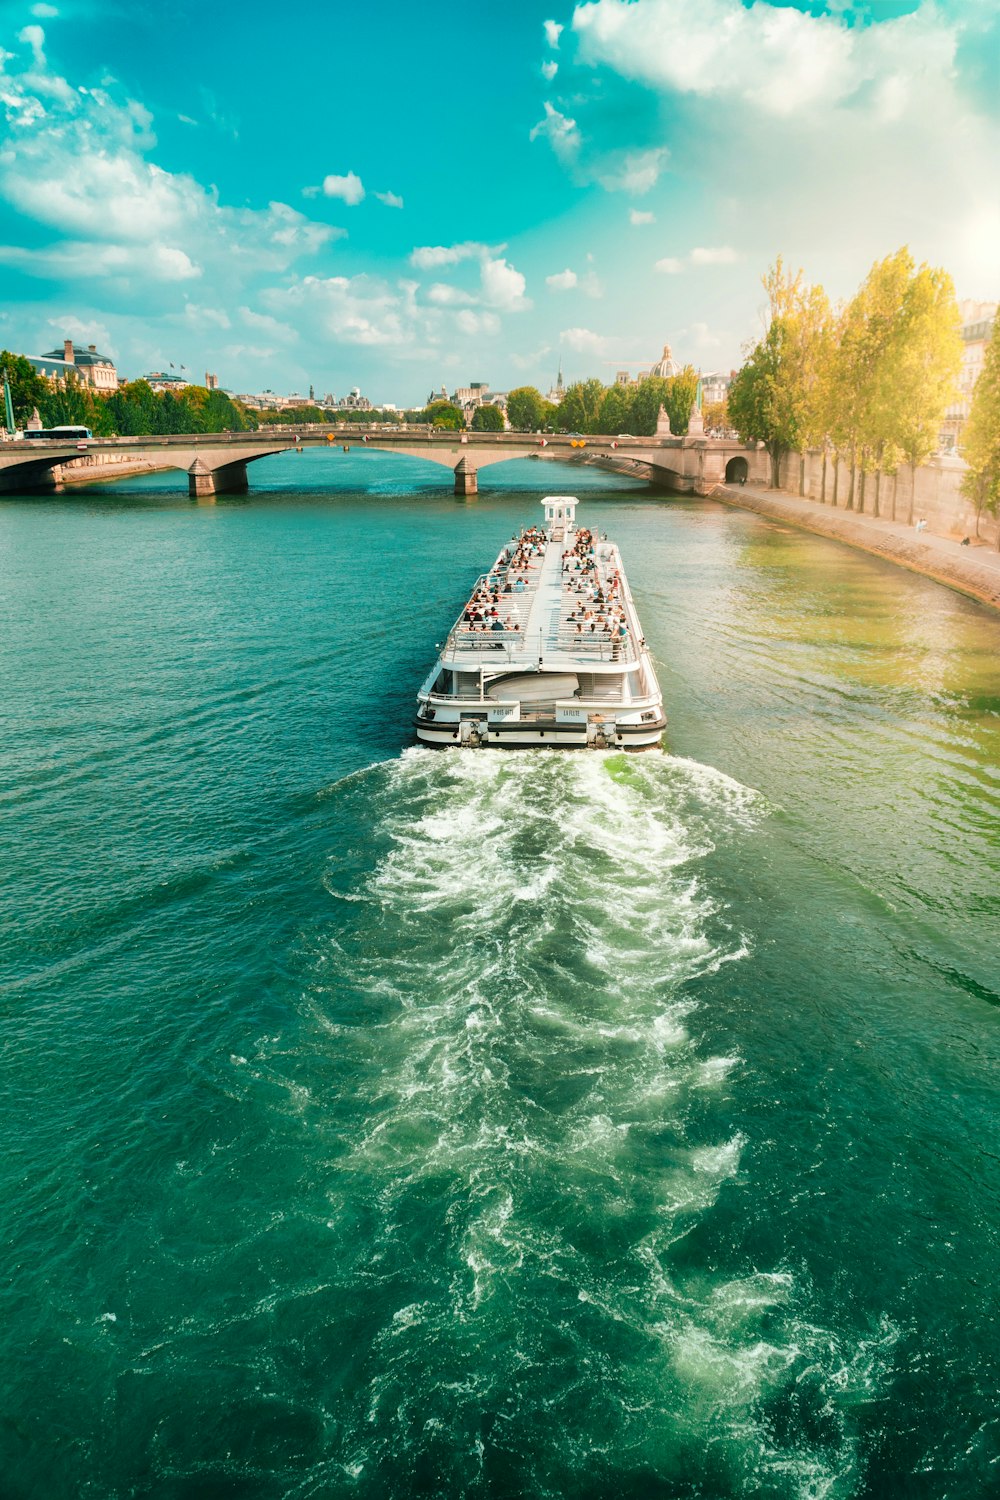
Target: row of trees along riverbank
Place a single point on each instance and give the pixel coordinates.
(134, 410)
(867, 382)
(589, 406)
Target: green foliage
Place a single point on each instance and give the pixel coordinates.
(981, 433)
(644, 407)
(295, 416)
(442, 414)
(777, 398)
(27, 387)
(682, 393)
(75, 404)
(214, 411)
(526, 408)
(763, 405)
(613, 412)
(715, 415)
(579, 408)
(893, 366)
(487, 419)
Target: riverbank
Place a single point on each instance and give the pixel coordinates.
(973, 570)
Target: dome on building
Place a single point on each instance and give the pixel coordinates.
(665, 367)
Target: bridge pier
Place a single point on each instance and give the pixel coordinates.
(466, 478)
(228, 479)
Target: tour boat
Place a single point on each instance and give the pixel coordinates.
(548, 651)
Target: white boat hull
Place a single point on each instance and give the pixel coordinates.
(548, 736)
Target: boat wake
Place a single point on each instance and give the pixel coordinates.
(526, 1132)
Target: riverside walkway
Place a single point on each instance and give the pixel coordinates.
(973, 570)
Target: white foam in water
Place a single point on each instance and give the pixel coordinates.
(528, 949)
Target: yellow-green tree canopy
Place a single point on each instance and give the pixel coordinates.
(981, 433)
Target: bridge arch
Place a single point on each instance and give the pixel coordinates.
(737, 470)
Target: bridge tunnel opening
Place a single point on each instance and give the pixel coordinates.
(737, 471)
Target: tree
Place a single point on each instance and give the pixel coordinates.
(715, 415)
(613, 412)
(74, 404)
(981, 435)
(762, 406)
(443, 414)
(776, 397)
(28, 389)
(927, 369)
(525, 408)
(894, 368)
(682, 393)
(487, 419)
(644, 406)
(578, 410)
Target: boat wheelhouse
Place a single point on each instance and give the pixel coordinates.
(548, 651)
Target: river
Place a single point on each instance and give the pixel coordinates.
(383, 1122)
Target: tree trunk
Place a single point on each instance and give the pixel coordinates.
(913, 487)
(861, 492)
(802, 474)
(836, 478)
(822, 483)
(878, 491)
(776, 470)
(850, 487)
(895, 486)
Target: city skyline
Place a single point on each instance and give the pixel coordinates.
(576, 183)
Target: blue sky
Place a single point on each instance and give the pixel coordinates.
(399, 199)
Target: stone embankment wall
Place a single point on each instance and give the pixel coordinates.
(93, 467)
(934, 497)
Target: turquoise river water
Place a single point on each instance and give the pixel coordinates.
(383, 1122)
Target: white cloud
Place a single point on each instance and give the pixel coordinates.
(530, 361)
(349, 188)
(76, 163)
(236, 352)
(76, 260)
(717, 255)
(264, 323)
(391, 200)
(553, 31)
(670, 265)
(637, 171)
(503, 286)
(562, 281)
(44, 12)
(549, 70)
(583, 340)
(443, 294)
(559, 130)
(778, 58)
(34, 37)
(481, 322)
(641, 216)
(82, 331)
(354, 310)
(432, 257)
(197, 315)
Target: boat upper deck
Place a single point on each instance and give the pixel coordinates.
(557, 599)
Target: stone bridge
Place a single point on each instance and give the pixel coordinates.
(217, 463)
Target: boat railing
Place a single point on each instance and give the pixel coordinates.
(520, 644)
